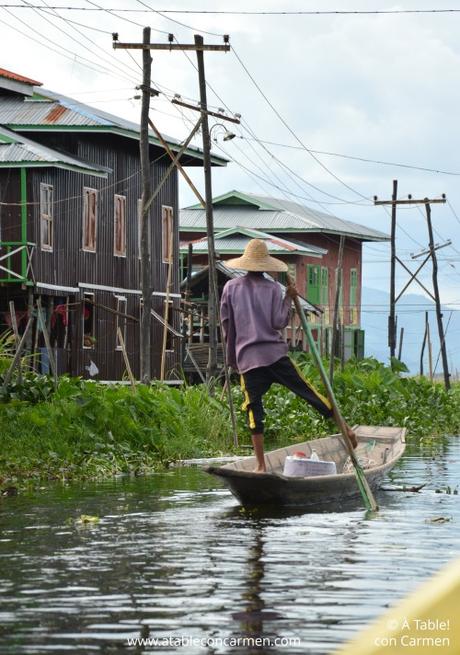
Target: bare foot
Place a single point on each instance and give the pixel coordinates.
(259, 470)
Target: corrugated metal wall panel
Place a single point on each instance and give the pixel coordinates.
(69, 265)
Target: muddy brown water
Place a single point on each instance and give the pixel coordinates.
(173, 558)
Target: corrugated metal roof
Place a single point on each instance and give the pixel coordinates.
(49, 108)
(16, 111)
(235, 240)
(17, 149)
(273, 215)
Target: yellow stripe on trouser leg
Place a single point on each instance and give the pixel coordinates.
(245, 405)
(319, 395)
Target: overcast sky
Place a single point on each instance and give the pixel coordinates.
(382, 87)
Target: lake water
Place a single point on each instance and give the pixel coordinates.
(174, 558)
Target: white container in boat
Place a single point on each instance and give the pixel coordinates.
(296, 466)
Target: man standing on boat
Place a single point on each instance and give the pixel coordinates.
(253, 312)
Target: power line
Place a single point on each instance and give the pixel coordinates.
(73, 56)
(177, 22)
(363, 159)
(116, 67)
(251, 132)
(318, 161)
(261, 12)
(116, 13)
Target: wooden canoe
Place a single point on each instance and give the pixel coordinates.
(379, 448)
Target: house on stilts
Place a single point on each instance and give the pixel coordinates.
(306, 239)
(70, 189)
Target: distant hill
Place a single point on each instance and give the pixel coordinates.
(410, 311)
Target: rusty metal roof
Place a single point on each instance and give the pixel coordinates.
(47, 109)
(9, 75)
(234, 240)
(19, 151)
(273, 215)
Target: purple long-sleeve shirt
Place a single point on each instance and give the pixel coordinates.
(252, 312)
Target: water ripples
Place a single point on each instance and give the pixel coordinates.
(173, 555)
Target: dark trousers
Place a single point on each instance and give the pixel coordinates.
(256, 382)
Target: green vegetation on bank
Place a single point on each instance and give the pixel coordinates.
(87, 430)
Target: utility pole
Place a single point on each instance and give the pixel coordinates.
(394, 258)
(434, 260)
(213, 296)
(391, 318)
(199, 47)
(146, 271)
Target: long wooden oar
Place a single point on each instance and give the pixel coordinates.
(363, 485)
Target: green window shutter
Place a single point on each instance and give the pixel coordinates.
(353, 310)
(359, 344)
(313, 287)
(353, 286)
(324, 285)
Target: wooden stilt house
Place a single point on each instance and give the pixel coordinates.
(312, 254)
(70, 189)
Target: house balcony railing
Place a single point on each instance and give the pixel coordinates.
(16, 261)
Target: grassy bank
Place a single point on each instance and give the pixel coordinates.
(88, 430)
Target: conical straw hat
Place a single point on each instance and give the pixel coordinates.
(256, 258)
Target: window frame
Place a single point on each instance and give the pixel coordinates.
(314, 269)
(324, 288)
(353, 293)
(47, 217)
(167, 231)
(119, 220)
(87, 191)
(121, 300)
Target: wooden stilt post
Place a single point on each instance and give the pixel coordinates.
(132, 379)
(401, 337)
(424, 343)
(18, 353)
(430, 349)
(166, 307)
(30, 311)
(42, 323)
(14, 325)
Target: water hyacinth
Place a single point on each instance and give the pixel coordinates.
(89, 430)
